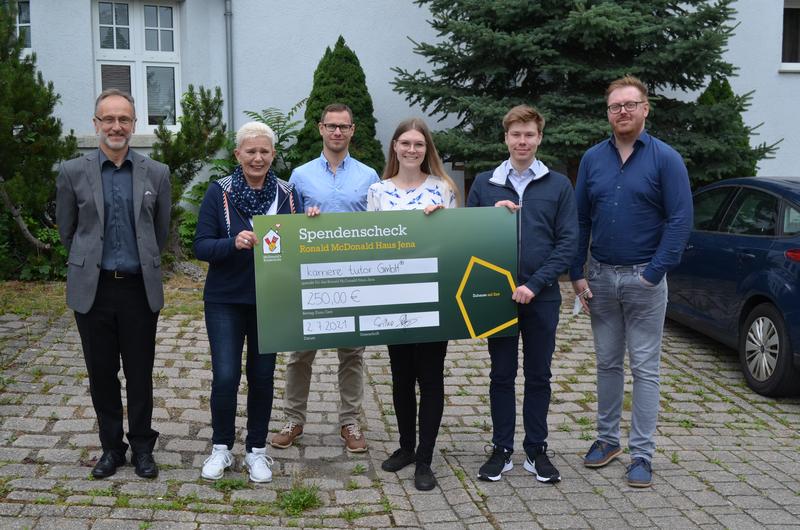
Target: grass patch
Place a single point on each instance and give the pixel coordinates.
(386, 504)
(227, 485)
(183, 295)
(101, 492)
(163, 505)
(359, 469)
(33, 298)
(299, 499)
(350, 514)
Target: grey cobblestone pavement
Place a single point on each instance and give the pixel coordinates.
(727, 458)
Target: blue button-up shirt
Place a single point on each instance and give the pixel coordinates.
(120, 252)
(344, 191)
(636, 212)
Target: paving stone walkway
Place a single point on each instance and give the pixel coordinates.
(727, 458)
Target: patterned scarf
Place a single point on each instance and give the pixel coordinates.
(249, 201)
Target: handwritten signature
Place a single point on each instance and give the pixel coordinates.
(402, 322)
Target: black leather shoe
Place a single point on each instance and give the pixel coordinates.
(398, 460)
(145, 465)
(108, 464)
(423, 477)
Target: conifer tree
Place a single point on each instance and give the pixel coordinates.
(196, 143)
(340, 79)
(31, 145)
(560, 57)
(714, 135)
(201, 135)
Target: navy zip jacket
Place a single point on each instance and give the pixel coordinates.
(231, 272)
(548, 226)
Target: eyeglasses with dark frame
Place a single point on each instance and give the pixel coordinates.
(630, 106)
(108, 121)
(344, 127)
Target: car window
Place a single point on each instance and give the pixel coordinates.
(791, 220)
(752, 213)
(709, 207)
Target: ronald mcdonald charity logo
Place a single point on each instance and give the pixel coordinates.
(272, 241)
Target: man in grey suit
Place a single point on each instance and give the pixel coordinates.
(113, 214)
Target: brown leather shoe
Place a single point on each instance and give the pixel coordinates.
(290, 432)
(353, 438)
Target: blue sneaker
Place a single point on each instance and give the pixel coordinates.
(601, 453)
(640, 473)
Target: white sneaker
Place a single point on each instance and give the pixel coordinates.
(215, 465)
(259, 464)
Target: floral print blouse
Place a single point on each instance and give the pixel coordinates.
(384, 195)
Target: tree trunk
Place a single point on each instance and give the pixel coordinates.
(17, 215)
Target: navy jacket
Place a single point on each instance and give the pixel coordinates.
(548, 228)
(231, 272)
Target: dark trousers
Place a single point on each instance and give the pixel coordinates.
(227, 326)
(421, 363)
(120, 324)
(537, 325)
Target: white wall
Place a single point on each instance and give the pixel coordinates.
(756, 50)
(61, 37)
(202, 45)
(289, 38)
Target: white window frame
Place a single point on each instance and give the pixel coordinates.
(29, 25)
(795, 66)
(139, 59)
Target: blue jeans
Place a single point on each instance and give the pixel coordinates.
(626, 313)
(537, 324)
(227, 326)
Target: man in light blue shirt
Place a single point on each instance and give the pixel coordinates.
(334, 182)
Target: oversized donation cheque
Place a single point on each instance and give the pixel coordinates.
(352, 279)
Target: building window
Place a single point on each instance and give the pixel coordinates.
(791, 32)
(158, 33)
(115, 31)
(160, 95)
(136, 52)
(116, 76)
(23, 25)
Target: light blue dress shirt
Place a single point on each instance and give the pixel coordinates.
(344, 191)
(520, 181)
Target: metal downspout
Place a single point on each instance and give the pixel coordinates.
(229, 53)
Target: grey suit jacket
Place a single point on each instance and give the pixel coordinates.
(80, 218)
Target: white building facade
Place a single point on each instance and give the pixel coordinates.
(263, 53)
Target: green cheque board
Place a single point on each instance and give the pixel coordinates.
(356, 279)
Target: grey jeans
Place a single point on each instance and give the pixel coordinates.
(627, 314)
(351, 384)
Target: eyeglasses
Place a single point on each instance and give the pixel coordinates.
(108, 121)
(406, 145)
(630, 106)
(344, 127)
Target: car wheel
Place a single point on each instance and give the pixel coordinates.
(765, 353)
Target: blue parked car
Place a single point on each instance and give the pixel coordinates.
(739, 279)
